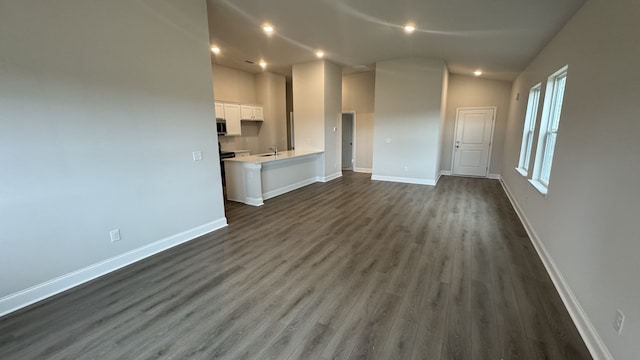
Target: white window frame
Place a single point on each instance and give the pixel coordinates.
(528, 132)
(554, 96)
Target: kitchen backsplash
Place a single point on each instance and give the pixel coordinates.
(248, 140)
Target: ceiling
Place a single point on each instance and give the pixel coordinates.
(498, 36)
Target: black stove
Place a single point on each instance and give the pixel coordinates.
(227, 154)
(224, 155)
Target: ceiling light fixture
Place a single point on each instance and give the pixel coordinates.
(268, 29)
(263, 64)
(320, 54)
(477, 72)
(215, 50)
(409, 28)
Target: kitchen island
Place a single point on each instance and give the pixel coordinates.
(255, 178)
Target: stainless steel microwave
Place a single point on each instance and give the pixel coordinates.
(222, 126)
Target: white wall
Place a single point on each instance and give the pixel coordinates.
(234, 85)
(408, 99)
(469, 91)
(588, 222)
(102, 105)
(358, 94)
(317, 104)
(332, 118)
(308, 105)
(270, 90)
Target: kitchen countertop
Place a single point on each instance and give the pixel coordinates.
(287, 154)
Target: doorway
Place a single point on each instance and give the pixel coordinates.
(472, 141)
(348, 120)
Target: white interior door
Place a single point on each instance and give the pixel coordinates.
(472, 143)
(347, 141)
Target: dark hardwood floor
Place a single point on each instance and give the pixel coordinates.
(350, 269)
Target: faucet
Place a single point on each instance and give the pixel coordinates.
(274, 149)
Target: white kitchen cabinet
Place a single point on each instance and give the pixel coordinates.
(258, 113)
(246, 112)
(232, 117)
(219, 110)
(252, 112)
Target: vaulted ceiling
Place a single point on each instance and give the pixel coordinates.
(498, 36)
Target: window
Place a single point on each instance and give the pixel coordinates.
(529, 127)
(549, 129)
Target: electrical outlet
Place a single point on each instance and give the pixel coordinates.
(406, 168)
(197, 155)
(115, 235)
(618, 322)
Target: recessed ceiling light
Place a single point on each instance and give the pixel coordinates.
(215, 50)
(409, 28)
(477, 72)
(268, 29)
(263, 64)
(320, 54)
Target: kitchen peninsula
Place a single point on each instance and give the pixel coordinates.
(255, 178)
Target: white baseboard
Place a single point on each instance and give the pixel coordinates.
(404, 180)
(592, 339)
(18, 300)
(286, 189)
(489, 176)
(330, 177)
(246, 200)
(362, 170)
(253, 201)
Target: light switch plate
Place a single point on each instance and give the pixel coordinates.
(114, 235)
(197, 155)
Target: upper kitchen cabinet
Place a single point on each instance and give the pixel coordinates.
(232, 117)
(252, 112)
(258, 113)
(219, 110)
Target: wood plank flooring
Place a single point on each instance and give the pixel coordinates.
(350, 269)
